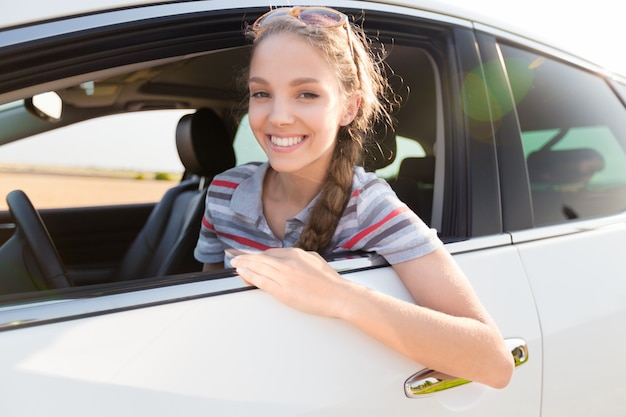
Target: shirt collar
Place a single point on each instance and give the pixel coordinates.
(247, 201)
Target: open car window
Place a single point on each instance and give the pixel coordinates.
(119, 159)
(102, 167)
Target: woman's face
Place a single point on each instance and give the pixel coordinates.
(296, 105)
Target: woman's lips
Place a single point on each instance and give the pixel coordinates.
(286, 143)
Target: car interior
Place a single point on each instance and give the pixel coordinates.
(206, 84)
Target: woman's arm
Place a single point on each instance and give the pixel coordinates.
(448, 331)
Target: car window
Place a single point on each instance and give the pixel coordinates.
(406, 148)
(246, 147)
(574, 137)
(119, 159)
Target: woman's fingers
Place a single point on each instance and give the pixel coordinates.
(270, 263)
(303, 280)
(257, 264)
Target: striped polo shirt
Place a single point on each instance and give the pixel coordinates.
(374, 220)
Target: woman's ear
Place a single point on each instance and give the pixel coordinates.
(352, 107)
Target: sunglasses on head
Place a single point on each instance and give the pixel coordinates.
(323, 17)
(313, 16)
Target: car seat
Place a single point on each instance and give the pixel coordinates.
(559, 180)
(415, 185)
(165, 244)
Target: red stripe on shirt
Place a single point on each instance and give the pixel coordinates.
(227, 184)
(206, 224)
(356, 238)
(245, 241)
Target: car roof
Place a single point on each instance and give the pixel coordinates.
(29, 11)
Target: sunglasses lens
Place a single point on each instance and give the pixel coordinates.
(321, 17)
(268, 17)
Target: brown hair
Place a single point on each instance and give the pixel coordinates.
(358, 70)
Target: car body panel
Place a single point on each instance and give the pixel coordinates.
(251, 349)
(582, 330)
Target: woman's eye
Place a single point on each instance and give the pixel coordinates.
(309, 95)
(259, 94)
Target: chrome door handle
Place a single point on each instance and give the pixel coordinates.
(428, 381)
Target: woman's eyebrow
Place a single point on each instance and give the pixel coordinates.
(296, 82)
(257, 80)
(306, 80)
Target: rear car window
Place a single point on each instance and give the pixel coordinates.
(573, 130)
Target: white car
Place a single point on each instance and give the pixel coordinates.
(514, 151)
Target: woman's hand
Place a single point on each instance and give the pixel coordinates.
(299, 279)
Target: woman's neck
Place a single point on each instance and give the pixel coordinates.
(284, 196)
(294, 189)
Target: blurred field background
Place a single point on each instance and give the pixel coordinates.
(50, 189)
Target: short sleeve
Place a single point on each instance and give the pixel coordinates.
(389, 227)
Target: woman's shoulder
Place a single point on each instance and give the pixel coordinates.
(372, 195)
(365, 183)
(232, 177)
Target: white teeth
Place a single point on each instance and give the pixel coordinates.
(286, 141)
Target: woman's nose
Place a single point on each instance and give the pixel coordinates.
(281, 112)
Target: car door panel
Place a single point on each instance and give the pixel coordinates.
(230, 352)
(92, 240)
(495, 271)
(582, 322)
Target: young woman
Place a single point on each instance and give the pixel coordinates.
(315, 92)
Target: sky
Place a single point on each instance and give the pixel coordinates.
(595, 31)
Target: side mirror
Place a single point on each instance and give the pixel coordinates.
(47, 106)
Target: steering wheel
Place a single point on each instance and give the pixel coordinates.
(32, 229)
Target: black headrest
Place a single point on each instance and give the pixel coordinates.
(566, 166)
(204, 143)
(419, 169)
(382, 151)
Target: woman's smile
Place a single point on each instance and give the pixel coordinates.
(286, 142)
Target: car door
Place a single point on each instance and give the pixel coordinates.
(206, 343)
(215, 346)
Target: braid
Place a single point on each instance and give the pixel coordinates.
(334, 196)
